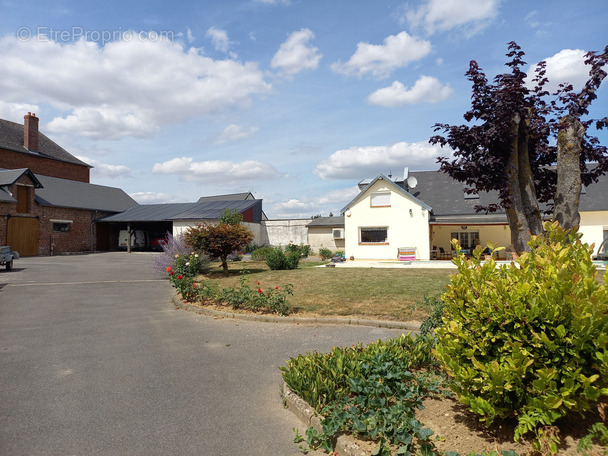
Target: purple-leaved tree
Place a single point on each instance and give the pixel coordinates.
(528, 144)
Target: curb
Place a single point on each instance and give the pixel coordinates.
(344, 446)
(406, 325)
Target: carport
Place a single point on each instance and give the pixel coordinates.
(159, 219)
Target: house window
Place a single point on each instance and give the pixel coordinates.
(466, 239)
(23, 203)
(380, 200)
(61, 226)
(376, 235)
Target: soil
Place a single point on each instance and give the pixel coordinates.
(457, 429)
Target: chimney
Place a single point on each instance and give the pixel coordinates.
(30, 132)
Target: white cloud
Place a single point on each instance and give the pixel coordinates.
(219, 38)
(369, 161)
(216, 171)
(154, 198)
(567, 66)
(15, 111)
(295, 55)
(189, 35)
(380, 60)
(307, 207)
(234, 132)
(427, 89)
(125, 88)
(105, 170)
(469, 16)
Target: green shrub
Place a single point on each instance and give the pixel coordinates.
(303, 251)
(324, 252)
(530, 339)
(261, 253)
(278, 260)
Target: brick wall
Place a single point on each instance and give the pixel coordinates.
(47, 167)
(80, 237)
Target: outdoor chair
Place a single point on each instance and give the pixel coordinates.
(443, 255)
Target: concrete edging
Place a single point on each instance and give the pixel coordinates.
(406, 325)
(345, 445)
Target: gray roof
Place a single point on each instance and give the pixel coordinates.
(207, 210)
(81, 195)
(327, 222)
(395, 187)
(228, 197)
(11, 138)
(451, 205)
(10, 176)
(5, 196)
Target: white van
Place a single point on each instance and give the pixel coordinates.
(139, 239)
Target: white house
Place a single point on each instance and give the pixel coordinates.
(428, 210)
(383, 219)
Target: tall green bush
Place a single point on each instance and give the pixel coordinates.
(278, 260)
(530, 339)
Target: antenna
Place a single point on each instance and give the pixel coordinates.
(412, 182)
(406, 172)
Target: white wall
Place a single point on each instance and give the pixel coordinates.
(322, 236)
(180, 226)
(593, 225)
(282, 232)
(404, 230)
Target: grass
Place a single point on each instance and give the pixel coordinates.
(358, 292)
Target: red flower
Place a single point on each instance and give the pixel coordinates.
(259, 290)
(276, 288)
(168, 268)
(180, 277)
(258, 283)
(172, 272)
(193, 285)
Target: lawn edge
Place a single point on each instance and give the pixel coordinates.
(406, 325)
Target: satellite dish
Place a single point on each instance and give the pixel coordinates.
(412, 182)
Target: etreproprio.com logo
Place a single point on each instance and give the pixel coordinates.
(99, 36)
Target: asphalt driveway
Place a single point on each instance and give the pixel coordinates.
(95, 360)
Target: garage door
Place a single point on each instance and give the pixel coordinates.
(23, 234)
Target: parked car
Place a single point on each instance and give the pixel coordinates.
(7, 256)
(602, 252)
(158, 243)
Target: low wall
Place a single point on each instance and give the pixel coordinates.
(282, 232)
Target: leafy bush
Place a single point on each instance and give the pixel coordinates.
(324, 252)
(260, 254)
(531, 339)
(272, 300)
(303, 251)
(175, 245)
(278, 260)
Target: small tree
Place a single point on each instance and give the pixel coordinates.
(509, 144)
(218, 240)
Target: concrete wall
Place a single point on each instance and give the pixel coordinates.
(322, 236)
(404, 230)
(180, 226)
(593, 226)
(282, 232)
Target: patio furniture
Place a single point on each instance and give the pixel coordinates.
(443, 255)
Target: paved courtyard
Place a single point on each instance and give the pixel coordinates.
(95, 360)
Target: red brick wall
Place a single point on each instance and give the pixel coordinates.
(77, 239)
(47, 167)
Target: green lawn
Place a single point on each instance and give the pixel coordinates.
(357, 292)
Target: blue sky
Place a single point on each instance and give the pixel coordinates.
(292, 100)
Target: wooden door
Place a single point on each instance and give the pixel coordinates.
(23, 234)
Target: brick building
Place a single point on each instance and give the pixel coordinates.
(47, 205)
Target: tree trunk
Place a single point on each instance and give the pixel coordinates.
(568, 191)
(523, 214)
(224, 259)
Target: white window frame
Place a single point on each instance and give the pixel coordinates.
(462, 235)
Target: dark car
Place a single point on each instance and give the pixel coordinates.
(602, 252)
